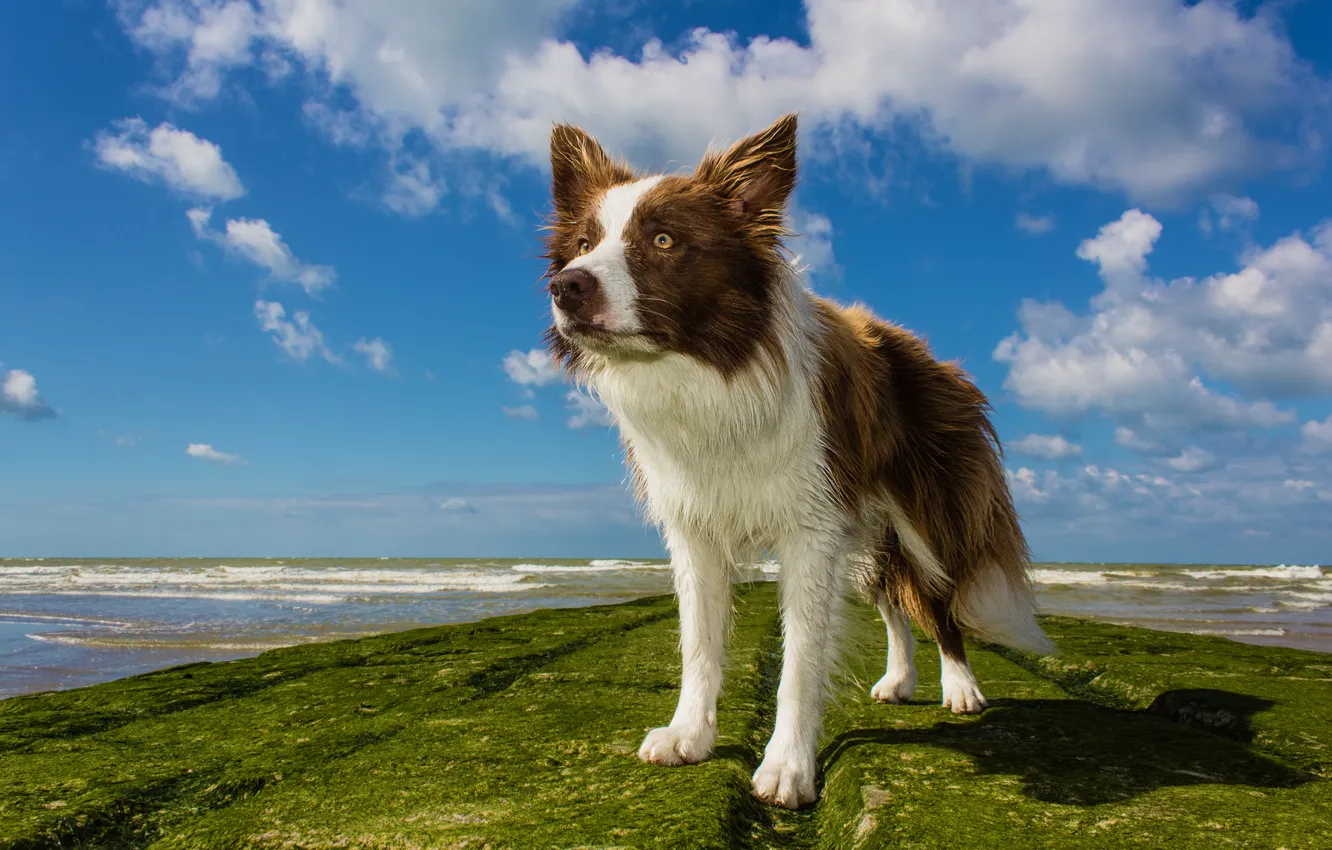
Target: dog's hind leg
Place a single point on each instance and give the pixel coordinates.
(899, 681)
(961, 692)
(703, 589)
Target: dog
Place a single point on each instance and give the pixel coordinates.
(756, 416)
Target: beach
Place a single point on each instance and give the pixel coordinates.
(74, 622)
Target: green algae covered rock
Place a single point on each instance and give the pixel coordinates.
(522, 732)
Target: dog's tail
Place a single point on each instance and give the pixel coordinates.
(996, 605)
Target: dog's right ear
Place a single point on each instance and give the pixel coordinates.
(580, 170)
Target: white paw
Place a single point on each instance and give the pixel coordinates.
(962, 695)
(672, 745)
(786, 782)
(896, 687)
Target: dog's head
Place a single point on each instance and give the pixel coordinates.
(641, 265)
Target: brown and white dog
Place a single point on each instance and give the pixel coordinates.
(757, 416)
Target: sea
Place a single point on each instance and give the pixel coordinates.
(66, 623)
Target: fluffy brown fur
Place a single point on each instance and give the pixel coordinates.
(901, 420)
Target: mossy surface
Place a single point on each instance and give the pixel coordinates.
(522, 732)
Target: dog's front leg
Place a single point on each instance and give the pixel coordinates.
(703, 589)
(812, 581)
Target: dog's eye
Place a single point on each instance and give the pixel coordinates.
(583, 247)
(663, 240)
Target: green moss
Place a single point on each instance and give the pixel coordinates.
(1278, 700)
(522, 732)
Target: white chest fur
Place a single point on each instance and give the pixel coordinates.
(740, 461)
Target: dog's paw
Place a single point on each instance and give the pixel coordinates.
(962, 695)
(672, 745)
(896, 687)
(785, 782)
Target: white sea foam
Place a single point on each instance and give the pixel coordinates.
(186, 593)
(154, 641)
(592, 567)
(23, 616)
(1240, 632)
(1317, 598)
(1281, 573)
(1068, 577)
(277, 583)
(1170, 585)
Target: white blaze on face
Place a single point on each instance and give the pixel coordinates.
(606, 260)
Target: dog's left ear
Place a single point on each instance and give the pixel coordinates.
(756, 174)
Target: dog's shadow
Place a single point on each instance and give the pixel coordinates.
(1077, 753)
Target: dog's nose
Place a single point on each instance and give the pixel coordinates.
(572, 288)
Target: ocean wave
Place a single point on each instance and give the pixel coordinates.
(1281, 573)
(186, 593)
(268, 580)
(1173, 586)
(1300, 604)
(1311, 578)
(1068, 577)
(1316, 598)
(157, 642)
(23, 616)
(311, 595)
(1240, 632)
(592, 567)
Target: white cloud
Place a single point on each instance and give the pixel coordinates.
(811, 247)
(1317, 435)
(1129, 439)
(1094, 490)
(184, 162)
(533, 369)
(1048, 447)
(257, 242)
(298, 337)
(587, 410)
(20, 388)
(1232, 213)
(1191, 459)
(1033, 224)
(1270, 492)
(19, 397)
(1121, 247)
(378, 353)
(1158, 98)
(525, 412)
(500, 206)
(339, 126)
(456, 504)
(1148, 348)
(412, 189)
(206, 452)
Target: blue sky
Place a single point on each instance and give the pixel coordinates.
(270, 274)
